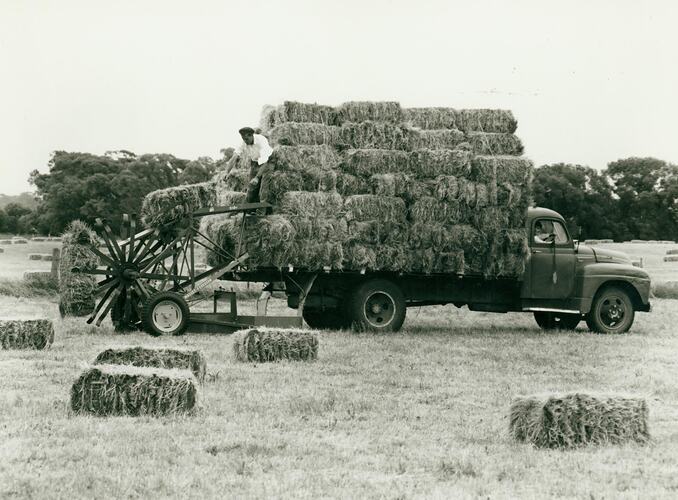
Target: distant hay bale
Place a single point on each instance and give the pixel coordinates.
(76, 290)
(5, 242)
(363, 207)
(2, 250)
(665, 289)
(274, 344)
(671, 258)
(430, 163)
(166, 206)
(112, 390)
(26, 334)
(672, 251)
(377, 135)
(574, 420)
(19, 241)
(291, 111)
(367, 162)
(47, 257)
(487, 143)
(38, 238)
(308, 204)
(606, 241)
(34, 256)
(361, 111)
(156, 358)
(304, 134)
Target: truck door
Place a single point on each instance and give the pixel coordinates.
(553, 261)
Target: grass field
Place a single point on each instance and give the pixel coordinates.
(421, 413)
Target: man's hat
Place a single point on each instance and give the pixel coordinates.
(246, 130)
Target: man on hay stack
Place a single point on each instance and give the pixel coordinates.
(257, 150)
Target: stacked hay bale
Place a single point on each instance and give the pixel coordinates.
(26, 334)
(156, 358)
(129, 390)
(76, 290)
(572, 420)
(370, 185)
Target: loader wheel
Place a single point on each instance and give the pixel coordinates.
(557, 321)
(329, 319)
(165, 313)
(611, 311)
(377, 305)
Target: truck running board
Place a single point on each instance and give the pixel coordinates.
(550, 309)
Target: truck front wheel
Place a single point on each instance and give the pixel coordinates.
(377, 305)
(611, 311)
(557, 321)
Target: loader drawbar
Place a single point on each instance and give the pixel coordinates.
(150, 280)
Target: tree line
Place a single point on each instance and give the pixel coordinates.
(633, 198)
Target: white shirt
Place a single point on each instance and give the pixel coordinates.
(260, 151)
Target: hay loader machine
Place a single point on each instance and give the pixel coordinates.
(149, 279)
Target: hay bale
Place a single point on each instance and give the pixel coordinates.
(5, 242)
(2, 250)
(307, 204)
(76, 290)
(34, 256)
(577, 419)
(435, 139)
(42, 280)
(362, 111)
(367, 162)
(224, 198)
(431, 118)
(222, 229)
(291, 111)
(235, 179)
(428, 209)
(672, 251)
(47, 257)
(108, 390)
(401, 185)
(38, 238)
(156, 358)
(364, 207)
(486, 120)
(348, 185)
(166, 206)
(300, 134)
(431, 163)
(377, 135)
(19, 241)
(303, 158)
(508, 251)
(274, 344)
(26, 334)
(377, 232)
(671, 258)
(496, 144)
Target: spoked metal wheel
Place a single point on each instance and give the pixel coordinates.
(612, 311)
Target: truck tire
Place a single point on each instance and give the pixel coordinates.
(557, 321)
(329, 319)
(377, 305)
(165, 313)
(611, 312)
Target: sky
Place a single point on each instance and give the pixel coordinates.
(588, 81)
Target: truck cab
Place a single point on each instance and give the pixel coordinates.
(566, 281)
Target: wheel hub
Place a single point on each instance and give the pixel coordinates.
(380, 309)
(167, 316)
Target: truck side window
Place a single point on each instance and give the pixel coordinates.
(544, 228)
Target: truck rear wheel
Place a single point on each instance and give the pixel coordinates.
(611, 311)
(557, 321)
(377, 305)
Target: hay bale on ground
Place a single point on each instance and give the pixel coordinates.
(165, 206)
(34, 256)
(488, 143)
(19, 241)
(362, 111)
(76, 290)
(365, 207)
(2, 250)
(672, 251)
(38, 238)
(26, 334)
(274, 344)
(108, 390)
(291, 111)
(47, 257)
(43, 280)
(304, 134)
(156, 358)
(573, 420)
(671, 258)
(5, 242)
